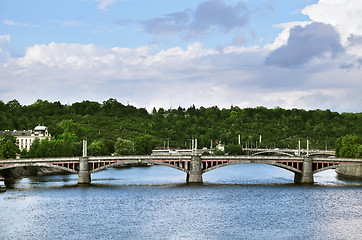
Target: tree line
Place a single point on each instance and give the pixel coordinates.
(112, 127)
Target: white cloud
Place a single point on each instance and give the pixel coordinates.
(148, 77)
(68, 22)
(283, 37)
(209, 16)
(345, 15)
(10, 22)
(305, 43)
(103, 4)
(13, 23)
(5, 48)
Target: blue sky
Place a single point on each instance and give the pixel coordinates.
(121, 23)
(291, 54)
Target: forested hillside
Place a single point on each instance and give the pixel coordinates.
(103, 123)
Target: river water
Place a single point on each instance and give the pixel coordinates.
(247, 201)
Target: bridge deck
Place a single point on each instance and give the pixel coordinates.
(181, 162)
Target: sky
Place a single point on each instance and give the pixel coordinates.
(273, 53)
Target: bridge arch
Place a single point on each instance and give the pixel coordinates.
(318, 154)
(289, 168)
(126, 163)
(274, 153)
(326, 168)
(39, 165)
(334, 166)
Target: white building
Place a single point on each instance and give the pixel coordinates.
(26, 138)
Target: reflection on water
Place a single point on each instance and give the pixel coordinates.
(251, 201)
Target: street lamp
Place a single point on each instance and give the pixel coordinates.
(168, 143)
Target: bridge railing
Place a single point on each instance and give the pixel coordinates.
(39, 160)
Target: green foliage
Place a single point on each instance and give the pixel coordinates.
(232, 149)
(103, 123)
(123, 147)
(74, 130)
(8, 146)
(144, 144)
(98, 148)
(218, 152)
(63, 146)
(349, 146)
(34, 150)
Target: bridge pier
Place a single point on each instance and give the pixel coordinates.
(195, 175)
(307, 175)
(84, 175)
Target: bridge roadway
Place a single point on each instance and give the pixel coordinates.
(194, 166)
(289, 152)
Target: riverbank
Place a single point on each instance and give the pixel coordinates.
(351, 171)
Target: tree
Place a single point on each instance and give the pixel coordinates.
(98, 148)
(75, 129)
(69, 124)
(8, 146)
(232, 149)
(123, 147)
(218, 152)
(45, 149)
(34, 150)
(348, 146)
(144, 144)
(13, 105)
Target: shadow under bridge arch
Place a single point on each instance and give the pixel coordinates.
(179, 165)
(46, 165)
(274, 153)
(295, 167)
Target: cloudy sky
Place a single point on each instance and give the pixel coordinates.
(287, 53)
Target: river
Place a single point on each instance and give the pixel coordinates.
(247, 201)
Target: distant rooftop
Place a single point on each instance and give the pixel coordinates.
(40, 128)
(37, 130)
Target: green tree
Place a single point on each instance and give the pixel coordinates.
(348, 146)
(218, 152)
(98, 148)
(75, 129)
(144, 144)
(68, 145)
(34, 150)
(44, 148)
(123, 147)
(8, 146)
(232, 149)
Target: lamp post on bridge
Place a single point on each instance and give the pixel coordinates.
(168, 144)
(299, 147)
(85, 147)
(307, 147)
(193, 146)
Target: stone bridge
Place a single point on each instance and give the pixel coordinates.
(193, 165)
(289, 152)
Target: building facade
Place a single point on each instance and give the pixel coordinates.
(26, 138)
